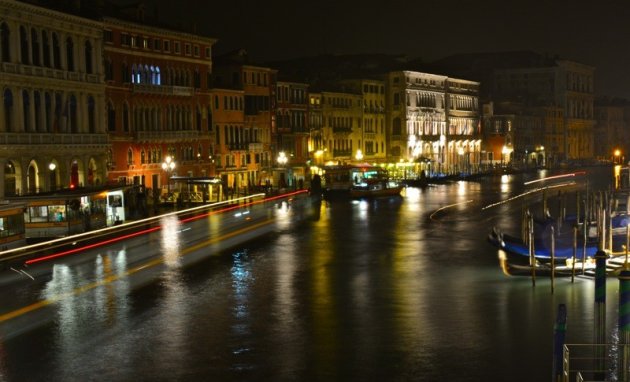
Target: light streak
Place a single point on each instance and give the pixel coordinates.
(555, 177)
(108, 280)
(449, 206)
(525, 194)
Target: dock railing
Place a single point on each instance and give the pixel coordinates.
(595, 363)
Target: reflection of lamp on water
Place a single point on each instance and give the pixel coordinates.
(359, 155)
(460, 152)
(168, 165)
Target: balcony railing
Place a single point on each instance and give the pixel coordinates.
(152, 136)
(40, 71)
(163, 89)
(50, 139)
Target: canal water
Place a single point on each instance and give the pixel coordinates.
(398, 289)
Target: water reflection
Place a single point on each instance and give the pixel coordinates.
(170, 241)
(241, 326)
(85, 305)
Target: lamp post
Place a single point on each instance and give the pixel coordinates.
(168, 166)
(617, 153)
(282, 161)
(359, 155)
(53, 176)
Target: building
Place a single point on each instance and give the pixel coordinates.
(52, 120)
(556, 84)
(341, 134)
(292, 129)
(610, 132)
(432, 122)
(158, 103)
(258, 85)
(371, 143)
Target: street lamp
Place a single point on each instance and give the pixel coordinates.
(53, 176)
(359, 155)
(282, 158)
(282, 161)
(168, 165)
(617, 153)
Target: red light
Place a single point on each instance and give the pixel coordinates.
(71, 185)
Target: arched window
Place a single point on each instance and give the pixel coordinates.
(197, 79)
(125, 117)
(45, 49)
(88, 58)
(91, 115)
(69, 55)
(47, 112)
(158, 80)
(125, 72)
(111, 117)
(58, 113)
(26, 102)
(72, 114)
(198, 121)
(152, 80)
(56, 51)
(109, 70)
(129, 157)
(35, 46)
(8, 110)
(5, 43)
(134, 74)
(38, 111)
(146, 75)
(143, 158)
(24, 46)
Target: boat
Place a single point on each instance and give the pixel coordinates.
(375, 188)
(515, 247)
(359, 180)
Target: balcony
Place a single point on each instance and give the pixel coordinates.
(183, 91)
(46, 72)
(167, 136)
(52, 139)
(256, 147)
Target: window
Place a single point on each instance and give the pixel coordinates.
(196, 50)
(5, 43)
(125, 39)
(88, 58)
(177, 47)
(69, 55)
(188, 51)
(108, 36)
(167, 46)
(207, 52)
(134, 41)
(157, 44)
(145, 42)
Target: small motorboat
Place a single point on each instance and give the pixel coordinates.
(374, 188)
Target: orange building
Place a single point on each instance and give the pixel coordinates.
(157, 103)
(253, 143)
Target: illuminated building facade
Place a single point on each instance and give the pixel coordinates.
(258, 85)
(557, 84)
(433, 121)
(341, 134)
(52, 129)
(371, 128)
(315, 124)
(157, 103)
(292, 128)
(610, 131)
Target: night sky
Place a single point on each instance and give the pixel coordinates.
(592, 32)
